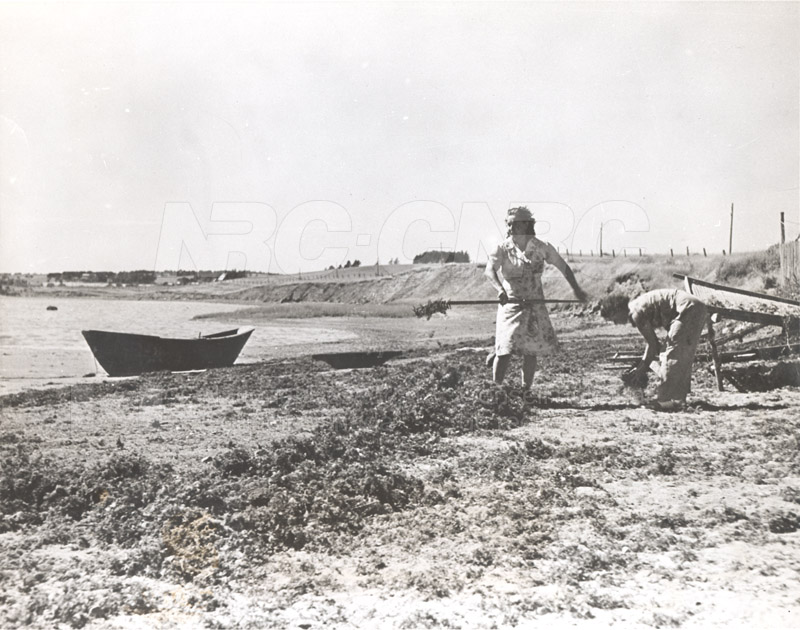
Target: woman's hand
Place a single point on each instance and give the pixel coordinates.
(503, 297)
(580, 294)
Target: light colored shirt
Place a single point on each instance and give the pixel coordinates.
(660, 307)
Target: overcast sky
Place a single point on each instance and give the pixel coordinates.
(289, 136)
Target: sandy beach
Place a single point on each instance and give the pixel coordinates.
(285, 494)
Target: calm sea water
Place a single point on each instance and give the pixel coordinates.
(38, 346)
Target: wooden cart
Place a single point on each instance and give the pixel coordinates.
(745, 306)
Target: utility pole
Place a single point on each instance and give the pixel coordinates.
(601, 240)
(730, 238)
(783, 230)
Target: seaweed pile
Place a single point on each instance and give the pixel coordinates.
(301, 492)
(387, 462)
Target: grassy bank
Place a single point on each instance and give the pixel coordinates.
(416, 284)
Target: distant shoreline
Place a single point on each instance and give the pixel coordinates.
(414, 284)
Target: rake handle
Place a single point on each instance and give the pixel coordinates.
(465, 302)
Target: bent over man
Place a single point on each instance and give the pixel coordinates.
(683, 316)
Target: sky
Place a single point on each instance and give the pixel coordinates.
(286, 137)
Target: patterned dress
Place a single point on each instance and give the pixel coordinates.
(523, 329)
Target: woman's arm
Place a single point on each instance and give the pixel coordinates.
(555, 259)
(491, 274)
(579, 293)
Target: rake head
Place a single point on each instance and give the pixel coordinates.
(432, 308)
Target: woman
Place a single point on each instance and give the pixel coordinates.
(515, 271)
(683, 316)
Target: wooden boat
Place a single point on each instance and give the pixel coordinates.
(346, 360)
(126, 354)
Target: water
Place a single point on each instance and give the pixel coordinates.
(40, 347)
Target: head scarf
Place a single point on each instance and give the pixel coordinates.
(520, 213)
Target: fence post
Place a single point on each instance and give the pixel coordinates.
(613, 254)
(704, 252)
(671, 253)
(687, 250)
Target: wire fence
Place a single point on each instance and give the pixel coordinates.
(373, 271)
(637, 252)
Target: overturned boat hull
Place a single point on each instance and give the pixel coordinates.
(126, 354)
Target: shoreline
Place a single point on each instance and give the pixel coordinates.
(299, 338)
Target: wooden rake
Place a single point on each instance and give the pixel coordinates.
(442, 306)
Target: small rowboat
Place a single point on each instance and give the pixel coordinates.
(126, 354)
(347, 360)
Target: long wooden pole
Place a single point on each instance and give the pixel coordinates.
(466, 302)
